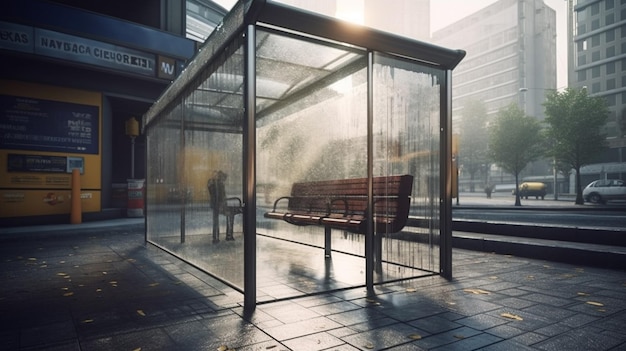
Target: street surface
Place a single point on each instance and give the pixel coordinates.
(500, 208)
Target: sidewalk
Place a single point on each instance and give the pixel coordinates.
(98, 286)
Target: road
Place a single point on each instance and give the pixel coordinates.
(563, 212)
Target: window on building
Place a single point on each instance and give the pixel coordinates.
(610, 100)
(610, 51)
(610, 68)
(609, 19)
(582, 60)
(582, 75)
(595, 41)
(609, 35)
(595, 24)
(609, 4)
(610, 84)
(595, 9)
(595, 56)
(595, 72)
(581, 29)
(595, 87)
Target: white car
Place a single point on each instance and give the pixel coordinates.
(603, 190)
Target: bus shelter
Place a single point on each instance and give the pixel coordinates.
(297, 154)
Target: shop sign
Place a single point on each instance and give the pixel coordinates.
(73, 48)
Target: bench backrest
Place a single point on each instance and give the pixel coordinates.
(348, 197)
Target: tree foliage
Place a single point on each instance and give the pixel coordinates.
(574, 127)
(514, 141)
(473, 143)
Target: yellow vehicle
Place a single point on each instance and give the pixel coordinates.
(536, 189)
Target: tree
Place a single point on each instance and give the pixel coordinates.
(514, 141)
(474, 144)
(575, 122)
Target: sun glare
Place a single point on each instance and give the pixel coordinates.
(351, 11)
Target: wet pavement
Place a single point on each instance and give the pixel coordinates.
(99, 286)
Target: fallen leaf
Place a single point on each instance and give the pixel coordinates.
(270, 347)
(68, 294)
(141, 313)
(137, 349)
(32, 259)
(222, 348)
(593, 303)
(512, 316)
(493, 278)
(88, 321)
(415, 336)
(477, 291)
(459, 336)
(582, 294)
(369, 346)
(411, 290)
(61, 274)
(154, 284)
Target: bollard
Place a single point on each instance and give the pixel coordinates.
(76, 215)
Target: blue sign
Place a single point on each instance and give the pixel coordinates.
(46, 125)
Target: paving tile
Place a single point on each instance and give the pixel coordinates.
(362, 315)
(482, 321)
(581, 339)
(528, 338)
(333, 308)
(472, 343)
(435, 324)
(288, 312)
(507, 345)
(382, 338)
(154, 339)
(314, 342)
(446, 338)
(302, 328)
(504, 331)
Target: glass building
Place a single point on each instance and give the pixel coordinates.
(277, 97)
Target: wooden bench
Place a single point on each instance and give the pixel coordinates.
(342, 204)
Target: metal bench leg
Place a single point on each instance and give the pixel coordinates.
(327, 244)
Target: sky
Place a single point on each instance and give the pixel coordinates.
(446, 12)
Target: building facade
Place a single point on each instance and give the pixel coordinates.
(73, 75)
(598, 62)
(511, 56)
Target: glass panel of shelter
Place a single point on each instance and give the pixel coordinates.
(406, 141)
(164, 192)
(209, 171)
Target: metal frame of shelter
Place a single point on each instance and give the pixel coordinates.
(233, 84)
